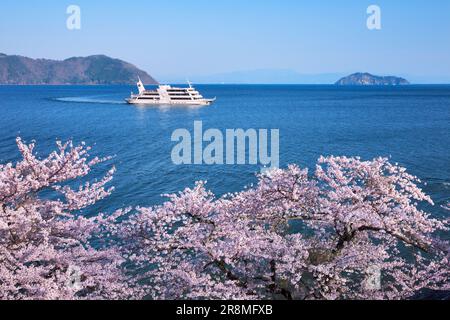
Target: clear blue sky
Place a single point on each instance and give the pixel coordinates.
(180, 37)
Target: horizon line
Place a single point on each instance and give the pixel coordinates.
(224, 84)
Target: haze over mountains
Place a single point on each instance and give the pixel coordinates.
(91, 70)
(260, 76)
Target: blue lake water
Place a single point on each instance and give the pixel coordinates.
(409, 124)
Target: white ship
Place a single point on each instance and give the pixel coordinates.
(166, 94)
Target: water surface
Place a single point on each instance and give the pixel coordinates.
(409, 124)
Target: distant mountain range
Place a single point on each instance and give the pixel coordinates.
(258, 76)
(91, 70)
(367, 79)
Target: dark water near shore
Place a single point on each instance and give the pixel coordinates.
(409, 124)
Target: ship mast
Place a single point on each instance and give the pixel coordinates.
(140, 86)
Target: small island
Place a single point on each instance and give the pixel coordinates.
(367, 79)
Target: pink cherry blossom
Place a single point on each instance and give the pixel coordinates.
(293, 236)
(45, 248)
(351, 229)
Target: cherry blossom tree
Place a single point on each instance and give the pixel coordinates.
(351, 230)
(46, 250)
